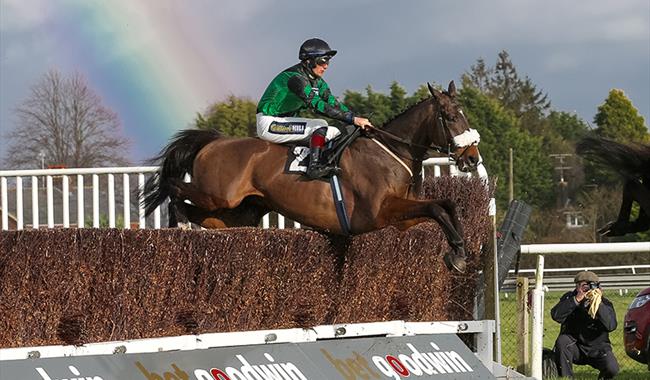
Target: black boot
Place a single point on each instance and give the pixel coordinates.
(316, 168)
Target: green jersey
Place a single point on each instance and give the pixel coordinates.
(295, 89)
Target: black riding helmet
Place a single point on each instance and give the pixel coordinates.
(314, 48)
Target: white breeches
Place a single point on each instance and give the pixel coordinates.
(286, 129)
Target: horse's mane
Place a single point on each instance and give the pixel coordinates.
(630, 160)
(406, 110)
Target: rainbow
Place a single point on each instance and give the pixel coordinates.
(145, 62)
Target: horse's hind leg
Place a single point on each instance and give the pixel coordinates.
(404, 213)
(248, 214)
(176, 211)
(188, 191)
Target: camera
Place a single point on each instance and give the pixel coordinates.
(591, 285)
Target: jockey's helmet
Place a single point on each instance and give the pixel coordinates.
(314, 48)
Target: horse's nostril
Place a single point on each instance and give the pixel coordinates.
(472, 160)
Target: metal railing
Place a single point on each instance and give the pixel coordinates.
(47, 177)
(616, 277)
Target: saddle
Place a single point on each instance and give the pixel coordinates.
(298, 153)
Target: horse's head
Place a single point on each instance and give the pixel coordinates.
(455, 131)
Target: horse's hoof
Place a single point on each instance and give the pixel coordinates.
(455, 262)
(185, 226)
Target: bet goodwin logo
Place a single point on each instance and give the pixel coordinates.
(415, 363)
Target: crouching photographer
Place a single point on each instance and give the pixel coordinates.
(587, 318)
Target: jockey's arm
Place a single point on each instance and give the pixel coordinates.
(320, 101)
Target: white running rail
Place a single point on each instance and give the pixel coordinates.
(105, 177)
(47, 177)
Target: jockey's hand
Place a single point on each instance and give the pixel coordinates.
(363, 123)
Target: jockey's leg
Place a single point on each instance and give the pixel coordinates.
(317, 168)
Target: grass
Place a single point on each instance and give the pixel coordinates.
(630, 369)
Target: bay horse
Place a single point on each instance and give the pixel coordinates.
(235, 181)
(632, 161)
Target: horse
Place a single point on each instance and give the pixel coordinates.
(632, 161)
(235, 181)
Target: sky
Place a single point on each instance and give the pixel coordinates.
(157, 63)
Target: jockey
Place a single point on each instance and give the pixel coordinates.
(298, 87)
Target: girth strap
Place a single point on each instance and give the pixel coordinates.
(339, 204)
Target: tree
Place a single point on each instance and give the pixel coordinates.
(234, 117)
(504, 84)
(65, 120)
(500, 131)
(379, 107)
(618, 119)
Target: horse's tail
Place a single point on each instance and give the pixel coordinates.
(176, 159)
(630, 160)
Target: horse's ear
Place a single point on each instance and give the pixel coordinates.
(452, 89)
(436, 94)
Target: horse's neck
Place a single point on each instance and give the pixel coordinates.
(413, 126)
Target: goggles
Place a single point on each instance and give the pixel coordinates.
(324, 60)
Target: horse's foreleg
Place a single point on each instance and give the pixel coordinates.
(641, 194)
(405, 213)
(632, 191)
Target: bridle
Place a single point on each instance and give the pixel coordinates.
(428, 149)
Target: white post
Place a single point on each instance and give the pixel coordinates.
(265, 221)
(111, 200)
(280, 221)
(66, 201)
(19, 203)
(495, 285)
(95, 201)
(537, 333)
(436, 171)
(50, 202)
(141, 218)
(80, 201)
(34, 201)
(296, 224)
(127, 201)
(156, 218)
(5, 210)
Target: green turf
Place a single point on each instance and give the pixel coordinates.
(630, 369)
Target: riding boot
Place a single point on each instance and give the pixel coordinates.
(316, 168)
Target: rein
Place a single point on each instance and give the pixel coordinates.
(432, 147)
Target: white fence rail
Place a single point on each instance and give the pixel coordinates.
(47, 178)
(103, 193)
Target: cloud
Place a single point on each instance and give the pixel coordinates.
(548, 22)
(21, 15)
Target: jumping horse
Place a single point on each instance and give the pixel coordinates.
(632, 161)
(235, 181)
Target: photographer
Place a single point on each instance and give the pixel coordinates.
(587, 318)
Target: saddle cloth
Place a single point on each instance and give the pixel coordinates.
(297, 160)
(298, 154)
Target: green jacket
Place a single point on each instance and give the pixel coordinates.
(295, 89)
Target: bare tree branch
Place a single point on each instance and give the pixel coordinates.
(63, 118)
